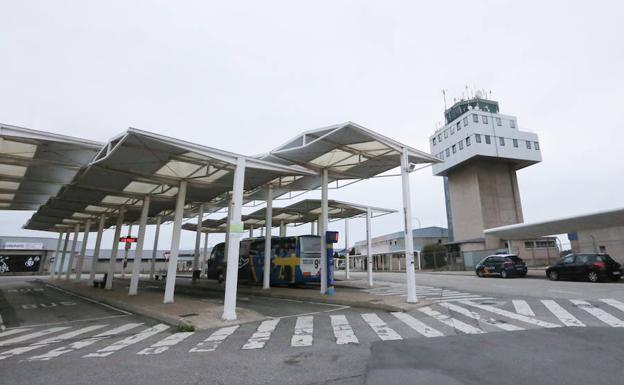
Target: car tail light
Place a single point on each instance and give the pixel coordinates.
(600, 265)
(508, 264)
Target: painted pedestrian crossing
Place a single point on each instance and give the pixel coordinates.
(428, 293)
(352, 328)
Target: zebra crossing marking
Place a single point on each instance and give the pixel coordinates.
(562, 314)
(489, 321)
(615, 303)
(523, 308)
(508, 314)
(417, 325)
(342, 330)
(598, 313)
(31, 336)
(434, 294)
(304, 329)
(262, 334)
(164, 345)
(383, 331)
(211, 343)
(131, 340)
(10, 332)
(83, 343)
(450, 321)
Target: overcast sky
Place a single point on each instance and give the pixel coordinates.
(247, 76)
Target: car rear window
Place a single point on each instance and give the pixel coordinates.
(514, 259)
(604, 258)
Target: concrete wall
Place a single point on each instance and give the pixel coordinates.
(610, 238)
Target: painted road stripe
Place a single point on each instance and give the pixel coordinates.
(380, 328)
(562, 314)
(48, 341)
(166, 343)
(30, 336)
(304, 329)
(598, 313)
(262, 334)
(133, 339)
(615, 303)
(450, 321)
(211, 343)
(523, 308)
(462, 299)
(488, 321)
(83, 343)
(10, 332)
(508, 314)
(342, 330)
(417, 325)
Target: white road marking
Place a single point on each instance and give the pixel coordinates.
(30, 336)
(304, 329)
(342, 330)
(450, 321)
(166, 343)
(211, 343)
(598, 313)
(489, 321)
(48, 341)
(10, 332)
(83, 343)
(562, 314)
(417, 325)
(380, 328)
(262, 334)
(89, 299)
(508, 314)
(615, 303)
(133, 339)
(523, 308)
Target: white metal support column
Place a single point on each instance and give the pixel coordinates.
(200, 219)
(228, 222)
(407, 231)
(323, 228)
(96, 251)
(251, 229)
(268, 222)
(347, 268)
(126, 249)
(73, 250)
(115, 249)
(138, 252)
(206, 252)
(59, 271)
(172, 267)
(155, 248)
(83, 250)
(235, 230)
(369, 247)
(509, 248)
(282, 229)
(56, 256)
(312, 228)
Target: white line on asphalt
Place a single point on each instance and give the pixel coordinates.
(342, 330)
(508, 314)
(461, 299)
(262, 335)
(211, 343)
(30, 336)
(133, 339)
(450, 321)
(615, 303)
(83, 343)
(488, 321)
(48, 341)
(522, 307)
(9, 332)
(417, 325)
(598, 313)
(164, 345)
(81, 320)
(89, 299)
(562, 314)
(304, 329)
(380, 328)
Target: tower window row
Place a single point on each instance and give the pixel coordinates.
(475, 119)
(487, 139)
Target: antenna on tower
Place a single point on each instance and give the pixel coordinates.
(444, 96)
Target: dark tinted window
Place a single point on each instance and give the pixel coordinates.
(514, 259)
(568, 259)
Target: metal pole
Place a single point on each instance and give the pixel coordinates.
(206, 253)
(407, 231)
(175, 243)
(200, 219)
(323, 226)
(347, 268)
(113, 257)
(155, 248)
(312, 228)
(369, 247)
(268, 222)
(65, 244)
(138, 252)
(282, 229)
(83, 250)
(73, 250)
(235, 230)
(96, 251)
(126, 249)
(251, 231)
(56, 256)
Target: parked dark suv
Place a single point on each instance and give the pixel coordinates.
(504, 265)
(593, 267)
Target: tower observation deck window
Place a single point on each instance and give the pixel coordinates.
(528, 143)
(536, 145)
(487, 139)
(465, 121)
(452, 130)
(484, 119)
(458, 126)
(461, 145)
(434, 141)
(445, 133)
(467, 141)
(515, 142)
(475, 118)
(512, 123)
(478, 138)
(448, 152)
(501, 140)
(499, 122)
(454, 149)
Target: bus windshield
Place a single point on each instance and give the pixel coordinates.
(310, 246)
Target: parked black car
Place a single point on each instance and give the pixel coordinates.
(593, 267)
(504, 265)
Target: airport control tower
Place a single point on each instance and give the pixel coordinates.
(481, 150)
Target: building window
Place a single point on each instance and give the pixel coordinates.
(439, 138)
(468, 141)
(536, 145)
(448, 152)
(528, 144)
(484, 119)
(515, 142)
(499, 122)
(487, 139)
(452, 130)
(466, 121)
(445, 133)
(529, 244)
(501, 140)
(461, 145)
(544, 243)
(475, 118)
(478, 138)
(512, 123)
(454, 149)
(441, 156)
(434, 141)
(458, 126)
